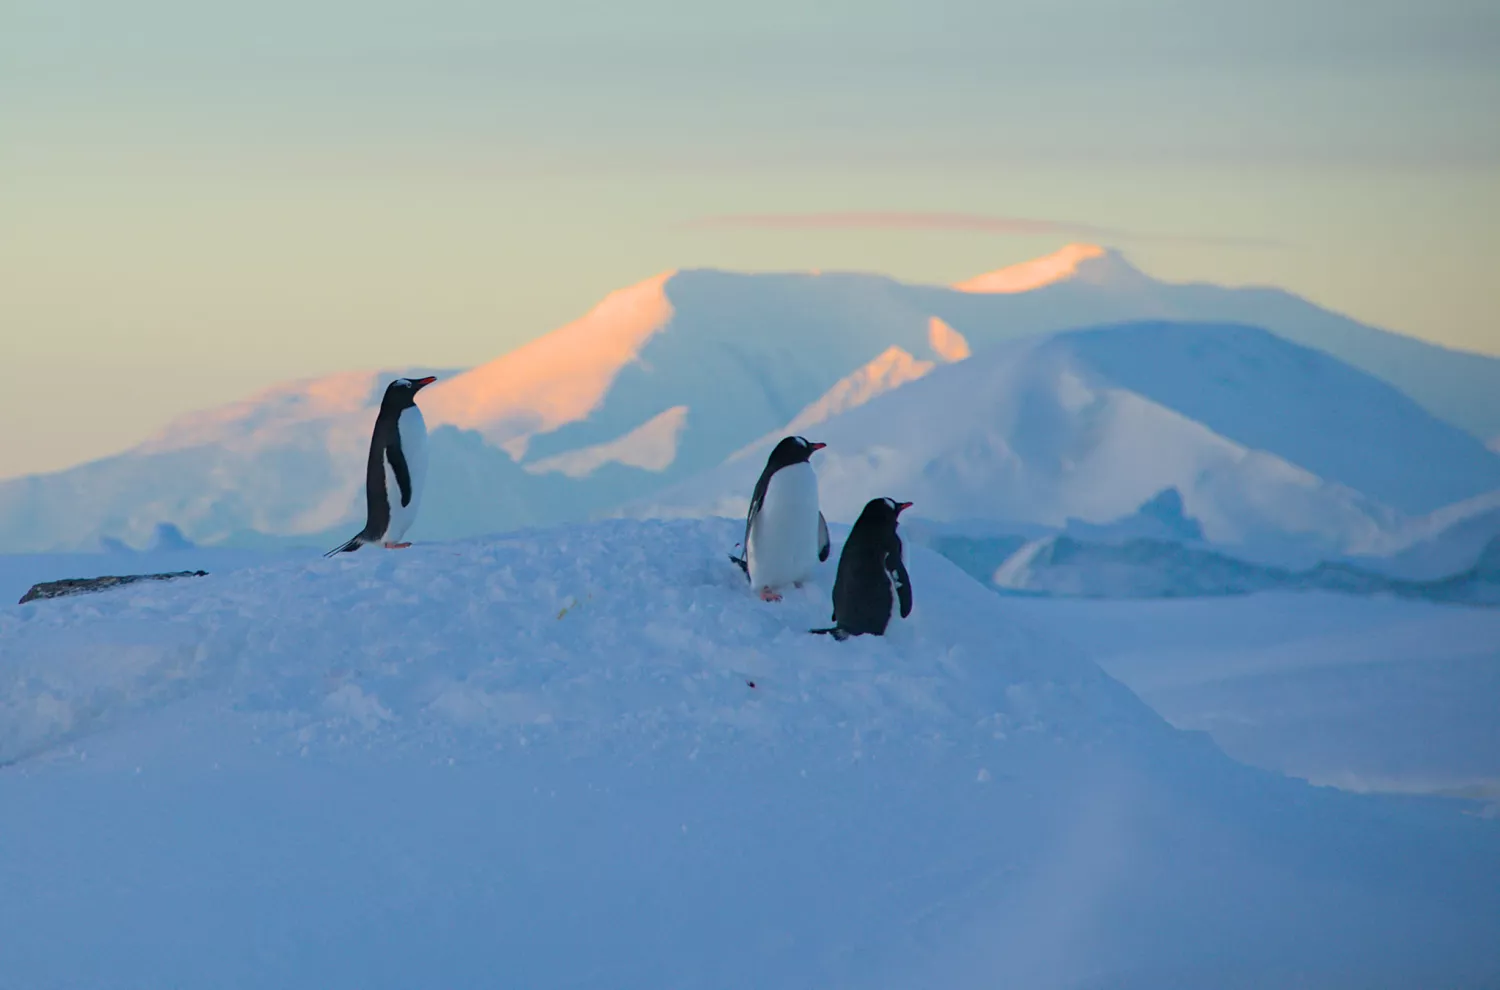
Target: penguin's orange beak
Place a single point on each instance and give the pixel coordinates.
(902, 507)
(421, 382)
(817, 446)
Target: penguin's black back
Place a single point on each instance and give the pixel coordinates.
(869, 566)
(385, 445)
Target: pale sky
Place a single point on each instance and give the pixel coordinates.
(199, 199)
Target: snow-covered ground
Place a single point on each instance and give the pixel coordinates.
(588, 757)
(1364, 693)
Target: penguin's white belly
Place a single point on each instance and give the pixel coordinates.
(783, 544)
(413, 430)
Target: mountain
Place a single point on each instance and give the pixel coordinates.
(1084, 285)
(669, 378)
(1269, 445)
(588, 757)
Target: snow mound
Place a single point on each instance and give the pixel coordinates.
(618, 634)
(589, 757)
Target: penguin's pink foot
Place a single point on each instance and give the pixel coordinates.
(397, 546)
(767, 595)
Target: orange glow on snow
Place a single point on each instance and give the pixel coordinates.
(946, 342)
(557, 378)
(1033, 274)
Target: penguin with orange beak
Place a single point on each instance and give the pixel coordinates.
(786, 536)
(396, 470)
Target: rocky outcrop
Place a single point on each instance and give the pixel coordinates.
(84, 586)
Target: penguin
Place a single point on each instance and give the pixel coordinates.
(786, 536)
(872, 576)
(396, 468)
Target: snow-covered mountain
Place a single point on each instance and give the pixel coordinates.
(1084, 285)
(670, 377)
(590, 757)
(1272, 447)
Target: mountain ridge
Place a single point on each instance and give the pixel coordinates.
(657, 383)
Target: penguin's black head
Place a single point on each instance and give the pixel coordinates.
(403, 391)
(793, 450)
(884, 511)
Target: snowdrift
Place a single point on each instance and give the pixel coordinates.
(588, 757)
(1362, 693)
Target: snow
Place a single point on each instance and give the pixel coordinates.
(1360, 693)
(556, 598)
(652, 445)
(891, 369)
(741, 355)
(1143, 567)
(1442, 542)
(1302, 405)
(1066, 263)
(538, 760)
(1161, 517)
(1038, 431)
(558, 378)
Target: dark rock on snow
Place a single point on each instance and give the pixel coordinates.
(83, 586)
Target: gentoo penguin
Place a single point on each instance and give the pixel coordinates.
(872, 576)
(786, 536)
(396, 468)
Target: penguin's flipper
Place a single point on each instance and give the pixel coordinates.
(354, 544)
(401, 471)
(757, 499)
(823, 544)
(742, 564)
(900, 579)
